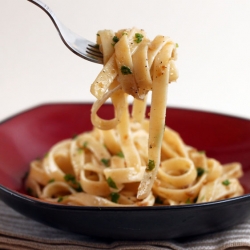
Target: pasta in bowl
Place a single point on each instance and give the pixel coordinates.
(91, 169)
(45, 125)
(132, 159)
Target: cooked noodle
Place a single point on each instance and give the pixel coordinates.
(131, 160)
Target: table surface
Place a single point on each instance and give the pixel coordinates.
(213, 62)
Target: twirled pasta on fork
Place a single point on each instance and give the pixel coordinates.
(131, 160)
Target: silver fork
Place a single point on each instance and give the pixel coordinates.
(77, 44)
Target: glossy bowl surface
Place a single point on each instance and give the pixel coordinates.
(31, 133)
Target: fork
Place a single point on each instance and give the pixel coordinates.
(77, 44)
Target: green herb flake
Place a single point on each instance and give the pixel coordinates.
(200, 171)
(188, 201)
(177, 45)
(115, 39)
(78, 188)
(76, 185)
(151, 165)
(138, 37)
(226, 182)
(202, 152)
(52, 180)
(111, 183)
(46, 154)
(98, 34)
(120, 154)
(60, 199)
(70, 178)
(84, 146)
(105, 162)
(114, 197)
(126, 70)
(80, 150)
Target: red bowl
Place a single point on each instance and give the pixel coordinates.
(30, 134)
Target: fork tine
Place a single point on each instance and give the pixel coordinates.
(94, 50)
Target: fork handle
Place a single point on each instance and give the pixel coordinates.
(48, 11)
(43, 6)
(73, 42)
(59, 26)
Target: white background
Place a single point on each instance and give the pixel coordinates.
(213, 38)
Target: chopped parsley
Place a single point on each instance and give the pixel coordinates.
(85, 144)
(114, 197)
(60, 199)
(71, 178)
(98, 34)
(79, 188)
(80, 150)
(188, 201)
(126, 70)
(177, 45)
(51, 180)
(120, 154)
(200, 171)
(202, 152)
(226, 182)
(151, 165)
(105, 162)
(111, 183)
(115, 40)
(138, 37)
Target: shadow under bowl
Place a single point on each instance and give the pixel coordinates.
(30, 134)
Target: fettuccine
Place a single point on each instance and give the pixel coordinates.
(131, 160)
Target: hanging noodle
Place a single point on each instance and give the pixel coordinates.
(130, 160)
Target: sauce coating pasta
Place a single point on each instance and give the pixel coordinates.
(131, 160)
